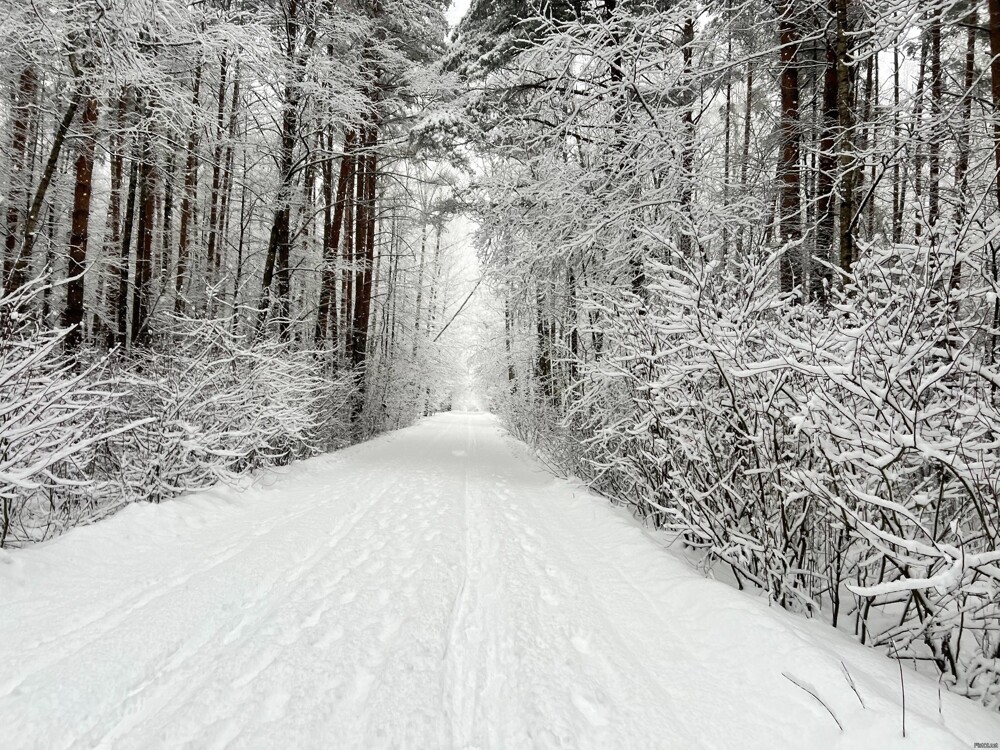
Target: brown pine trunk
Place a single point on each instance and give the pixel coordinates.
(80, 230)
(332, 231)
(359, 324)
(789, 167)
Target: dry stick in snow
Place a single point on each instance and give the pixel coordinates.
(902, 685)
(850, 681)
(814, 695)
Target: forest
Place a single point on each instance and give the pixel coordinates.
(738, 264)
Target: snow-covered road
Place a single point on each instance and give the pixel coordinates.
(434, 588)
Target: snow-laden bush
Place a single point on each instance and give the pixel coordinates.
(219, 405)
(51, 424)
(844, 460)
(203, 405)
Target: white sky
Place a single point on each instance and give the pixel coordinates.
(456, 11)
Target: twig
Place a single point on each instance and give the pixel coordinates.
(813, 694)
(850, 681)
(902, 685)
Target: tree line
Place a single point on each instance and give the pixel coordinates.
(202, 200)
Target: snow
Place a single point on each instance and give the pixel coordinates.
(432, 588)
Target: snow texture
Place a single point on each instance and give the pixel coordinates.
(434, 588)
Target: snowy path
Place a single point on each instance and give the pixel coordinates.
(434, 588)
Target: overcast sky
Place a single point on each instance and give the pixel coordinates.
(456, 11)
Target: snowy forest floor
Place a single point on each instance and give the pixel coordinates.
(432, 588)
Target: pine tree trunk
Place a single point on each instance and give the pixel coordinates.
(80, 230)
(142, 293)
(789, 167)
(365, 245)
(333, 226)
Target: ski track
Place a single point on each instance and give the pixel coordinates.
(432, 588)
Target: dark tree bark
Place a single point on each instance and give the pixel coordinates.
(364, 244)
(80, 230)
(789, 167)
(141, 293)
(333, 226)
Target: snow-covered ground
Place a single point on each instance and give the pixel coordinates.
(434, 588)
